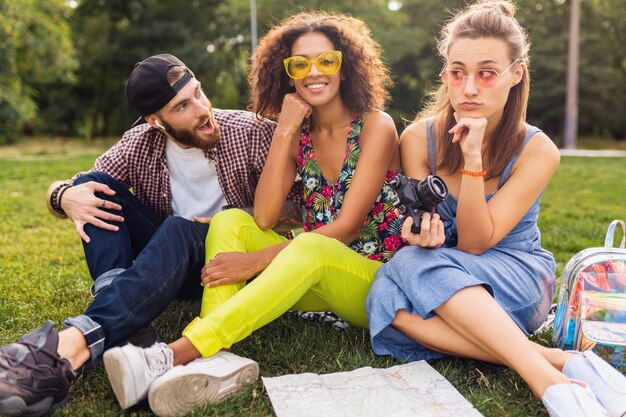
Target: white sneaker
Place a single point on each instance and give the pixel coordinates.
(131, 370)
(606, 382)
(211, 380)
(572, 400)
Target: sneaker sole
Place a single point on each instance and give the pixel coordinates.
(184, 393)
(15, 406)
(117, 364)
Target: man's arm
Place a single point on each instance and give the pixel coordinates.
(80, 203)
(52, 198)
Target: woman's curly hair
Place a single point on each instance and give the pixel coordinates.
(365, 79)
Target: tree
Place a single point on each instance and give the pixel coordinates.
(213, 38)
(35, 50)
(112, 35)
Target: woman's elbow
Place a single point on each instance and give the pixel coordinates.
(264, 222)
(350, 232)
(472, 249)
(477, 251)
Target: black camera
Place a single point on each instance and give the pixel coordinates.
(414, 198)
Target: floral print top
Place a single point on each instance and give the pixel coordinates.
(379, 237)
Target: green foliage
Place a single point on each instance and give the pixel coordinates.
(44, 276)
(547, 26)
(213, 38)
(111, 36)
(35, 51)
(602, 66)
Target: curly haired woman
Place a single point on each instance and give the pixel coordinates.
(321, 75)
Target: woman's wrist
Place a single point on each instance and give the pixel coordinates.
(266, 256)
(473, 164)
(286, 133)
(471, 173)
(473, 167)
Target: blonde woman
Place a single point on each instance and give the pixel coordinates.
(475, 281)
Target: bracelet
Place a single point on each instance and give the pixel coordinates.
(55, 197)
(59, 208)
(480, 173)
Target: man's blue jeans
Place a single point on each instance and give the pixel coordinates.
(137, 270)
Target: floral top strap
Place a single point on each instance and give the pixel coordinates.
(379, 237)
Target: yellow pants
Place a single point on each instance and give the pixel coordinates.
(313, 273)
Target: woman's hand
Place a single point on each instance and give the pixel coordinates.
(292, 113)
(469, 133)
(230, 268)
(431, 231)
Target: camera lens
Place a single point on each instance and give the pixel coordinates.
(439, 188)
(432, 191)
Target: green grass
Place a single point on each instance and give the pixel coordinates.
(44, 276)
(591, 142)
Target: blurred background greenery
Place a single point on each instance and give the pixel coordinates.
(64, 62)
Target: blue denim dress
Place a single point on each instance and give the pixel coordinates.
(517, 272)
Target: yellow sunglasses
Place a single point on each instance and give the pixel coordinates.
(298, 67)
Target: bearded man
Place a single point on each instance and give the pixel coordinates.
(145, 247)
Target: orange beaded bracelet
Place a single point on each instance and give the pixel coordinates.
(480, 173)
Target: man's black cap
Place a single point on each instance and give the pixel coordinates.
(147, 89)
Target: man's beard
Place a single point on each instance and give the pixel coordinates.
(189, 137)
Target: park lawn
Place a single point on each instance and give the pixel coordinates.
(43, 276)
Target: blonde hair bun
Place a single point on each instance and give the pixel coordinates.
(505, 7)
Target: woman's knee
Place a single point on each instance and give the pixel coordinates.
(225, 231)
(233, 216)
(314, 243)
(404, 320)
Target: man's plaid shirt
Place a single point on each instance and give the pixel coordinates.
(138, 160)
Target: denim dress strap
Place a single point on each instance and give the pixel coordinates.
(506, 173)
(432, 144)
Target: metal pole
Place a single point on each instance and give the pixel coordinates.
(253, 27)
(571, 107)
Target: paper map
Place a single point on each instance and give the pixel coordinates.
(412, 390)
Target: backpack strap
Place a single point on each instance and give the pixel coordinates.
(610, 234)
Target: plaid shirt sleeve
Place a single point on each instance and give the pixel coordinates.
(114, 161)
(138, 162)
(242, 154)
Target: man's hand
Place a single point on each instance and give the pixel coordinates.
(204, 220)
(82, 206)
(231, 267)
